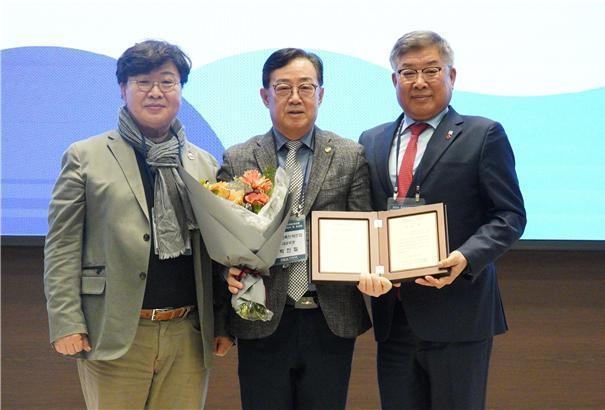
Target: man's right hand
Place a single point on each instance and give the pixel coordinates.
(72, 344)
(233, 280)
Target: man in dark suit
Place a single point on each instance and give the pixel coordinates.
(301, 358)
(435, 334)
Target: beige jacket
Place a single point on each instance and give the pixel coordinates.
(98, 243)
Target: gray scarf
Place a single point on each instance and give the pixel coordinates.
(171, 213)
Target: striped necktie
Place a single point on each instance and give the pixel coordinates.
(297, 271)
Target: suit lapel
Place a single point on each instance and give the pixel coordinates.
(195, 165)
(447, 131)
(264, 152)
(126, 158)
(186, 160)
(322, 157)
(382, 153)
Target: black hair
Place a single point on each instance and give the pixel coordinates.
(142, 58)
(284, 56)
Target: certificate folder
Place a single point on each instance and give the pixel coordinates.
(401, 244)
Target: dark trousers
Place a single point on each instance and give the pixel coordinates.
(303, 365)
(417, 374)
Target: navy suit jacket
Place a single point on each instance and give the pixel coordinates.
(468, 165)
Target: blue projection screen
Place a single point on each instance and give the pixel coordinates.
(535, 66)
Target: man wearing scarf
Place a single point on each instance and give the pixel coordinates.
(127, 277)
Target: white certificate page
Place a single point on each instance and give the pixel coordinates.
(344, 246)
(413, 241)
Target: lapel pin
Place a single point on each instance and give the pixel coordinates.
(190, 155)
(328, 149)
(449, 135)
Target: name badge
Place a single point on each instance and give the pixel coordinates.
(293, 247)
(398, 203)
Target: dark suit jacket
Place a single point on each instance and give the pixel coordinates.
(473, 173)
(338, 181)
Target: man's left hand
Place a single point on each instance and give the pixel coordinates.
(373, 285)
(456, 262)
(222, 344)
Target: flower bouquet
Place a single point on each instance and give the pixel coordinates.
(243, 223)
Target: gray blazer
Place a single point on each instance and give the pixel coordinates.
(338, 181)
(97, 248)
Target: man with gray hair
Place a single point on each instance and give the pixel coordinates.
(435, 334)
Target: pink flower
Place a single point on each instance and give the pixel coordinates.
(256, 198)
(256, 180)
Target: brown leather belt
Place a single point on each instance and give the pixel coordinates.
(166, 313)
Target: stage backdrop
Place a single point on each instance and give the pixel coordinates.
(534, 65)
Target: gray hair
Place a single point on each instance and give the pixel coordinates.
(418, 40)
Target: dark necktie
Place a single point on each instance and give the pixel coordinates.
(407, 164)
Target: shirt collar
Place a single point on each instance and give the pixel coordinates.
(280, 140)
(433, 122)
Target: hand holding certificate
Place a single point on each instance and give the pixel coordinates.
(400, 244)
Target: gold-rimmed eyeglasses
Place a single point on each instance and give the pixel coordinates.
(428, 73)
(165, 85)
(305, 90)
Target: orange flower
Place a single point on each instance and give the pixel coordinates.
(256, 180)
(256, 198)
(236, 197)
(252, 190)
(220, 189)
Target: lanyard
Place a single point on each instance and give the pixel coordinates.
(301, 198)
(399, 132)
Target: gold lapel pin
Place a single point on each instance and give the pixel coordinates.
(328, 149)
(449, 135)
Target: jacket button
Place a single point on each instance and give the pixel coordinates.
(146, 237)
(142, 275)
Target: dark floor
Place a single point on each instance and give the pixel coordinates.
(552, 358)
